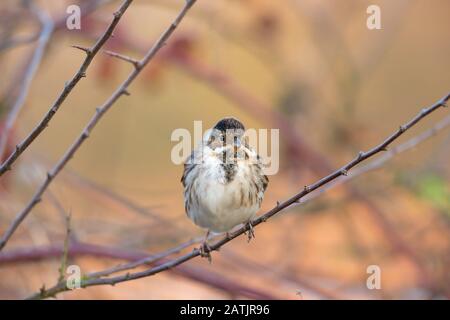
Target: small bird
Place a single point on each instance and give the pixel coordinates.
(223, 181)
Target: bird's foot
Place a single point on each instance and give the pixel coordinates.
(205, 251)
(250, 232)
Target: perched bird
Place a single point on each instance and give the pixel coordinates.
(223, 181)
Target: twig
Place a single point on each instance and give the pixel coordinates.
(195, 273)
(166, 265)
(145, 261)
(44, 36)
(101, 111)
(380, 161)
(134, 62)
(90, 54)
(65, 255)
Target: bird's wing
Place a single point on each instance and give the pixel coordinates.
(189, 165)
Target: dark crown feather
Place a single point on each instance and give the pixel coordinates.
(229, 124)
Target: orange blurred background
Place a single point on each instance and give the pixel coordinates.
(343, 88)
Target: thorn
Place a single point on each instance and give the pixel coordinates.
(126, 92)
(384, 149)
(344, 172)
(49, 176)
(360, 154)
(17, 148)
(307, 189)
(278, 203)
(444, 104)
(424, 111)
(117, 14)
(134, 62)
(402, 129)
(86, 50)
(83, 75)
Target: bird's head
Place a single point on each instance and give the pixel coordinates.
(228, 132)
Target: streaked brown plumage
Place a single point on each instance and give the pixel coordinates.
(223, 179)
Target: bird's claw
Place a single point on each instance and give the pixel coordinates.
(250, 232)
(205, 251)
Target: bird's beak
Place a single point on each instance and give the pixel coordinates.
(237, 142)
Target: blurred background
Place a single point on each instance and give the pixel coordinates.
(310, 68)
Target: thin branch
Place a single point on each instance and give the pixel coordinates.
(134, 62)
(65, 255)
(145, 261)
(44, 37)
(101, 111)
(380, 161)
(90, 54)
(194, 273)
(343, 171)
(84, 49)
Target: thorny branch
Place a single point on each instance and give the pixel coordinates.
(65, 255)
(68, 87)
(100, 112)
(380, 161)
(195, 273)
(280, 206)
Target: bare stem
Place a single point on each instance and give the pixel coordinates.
(199, 274)
(68, 87)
